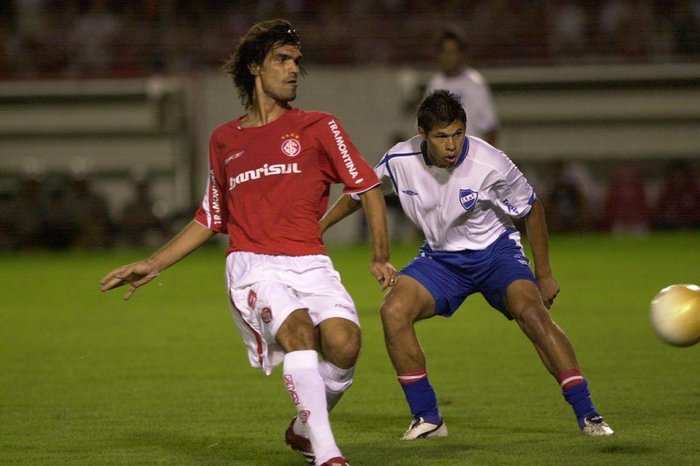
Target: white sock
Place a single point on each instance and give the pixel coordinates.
(337, 380)
(306, 387)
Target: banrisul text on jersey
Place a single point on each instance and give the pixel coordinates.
(265, 170)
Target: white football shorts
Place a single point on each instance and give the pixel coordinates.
(263, 290)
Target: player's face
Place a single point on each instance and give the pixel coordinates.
(450, 58)
(279, 73)
(444, 143)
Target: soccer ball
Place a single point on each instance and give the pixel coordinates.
(675, 314)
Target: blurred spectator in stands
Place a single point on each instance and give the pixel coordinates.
(567, 29)
(93, 41)
(140, 224)
(91, 210)
(140, 48)
(467, 83)
(30, 206)
(33, 40)
(626, 28)
(627, 209)
(183, 36)
(48, 47)
(566, 202)
(678, 205)
(8, 217)
(61, 219)
(335, 43)
(281, 8)
(12, 55)
(685, 22)
(376, 44)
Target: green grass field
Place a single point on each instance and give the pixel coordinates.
(88, 379)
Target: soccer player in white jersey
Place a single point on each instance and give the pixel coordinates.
(467, 83)
(269, 182)
(464, 194)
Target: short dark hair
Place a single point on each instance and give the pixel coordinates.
(440, 108)
(449, 35)
(253, 48)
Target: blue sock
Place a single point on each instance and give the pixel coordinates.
(579, 397)
(422, 400)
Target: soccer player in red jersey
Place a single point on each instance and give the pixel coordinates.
(269, 182)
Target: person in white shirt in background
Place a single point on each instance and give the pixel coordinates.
(467, 83)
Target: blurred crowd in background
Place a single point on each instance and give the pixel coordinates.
(626, 204)
(103, 38)
(67, 213)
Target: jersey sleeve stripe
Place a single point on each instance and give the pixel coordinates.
(385, 161)
(361, 191)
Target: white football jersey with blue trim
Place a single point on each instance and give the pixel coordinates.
(467, 206)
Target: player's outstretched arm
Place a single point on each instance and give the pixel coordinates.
(538, 236)
(141, 272)
(375, 212)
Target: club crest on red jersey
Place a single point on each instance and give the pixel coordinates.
(467, 198)
(291, 147)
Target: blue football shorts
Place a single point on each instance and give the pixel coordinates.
(451, 276)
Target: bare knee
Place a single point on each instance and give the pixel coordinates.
(297, 332)
(534, 320)
(404, 305)
(396, 313)
(531, 314)
(340, 341)
(525, 305)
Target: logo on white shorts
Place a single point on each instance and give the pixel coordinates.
(252, 299)
(266, 314)
(343, 306)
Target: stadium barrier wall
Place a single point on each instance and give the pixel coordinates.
(598, 115)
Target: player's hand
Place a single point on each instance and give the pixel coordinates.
(384, 272)
(549, 289)
(134, 275)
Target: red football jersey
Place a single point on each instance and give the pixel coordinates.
(269, 186)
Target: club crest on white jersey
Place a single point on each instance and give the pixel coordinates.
(467, 198)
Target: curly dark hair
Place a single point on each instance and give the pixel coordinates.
(440, 107)
(252, 49)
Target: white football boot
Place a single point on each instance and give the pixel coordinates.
(595, 426)
(421, 429)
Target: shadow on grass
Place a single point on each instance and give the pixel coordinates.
(175, 448)
(634, 449)
(369, 447)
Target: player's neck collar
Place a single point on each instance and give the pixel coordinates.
(462, 154)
